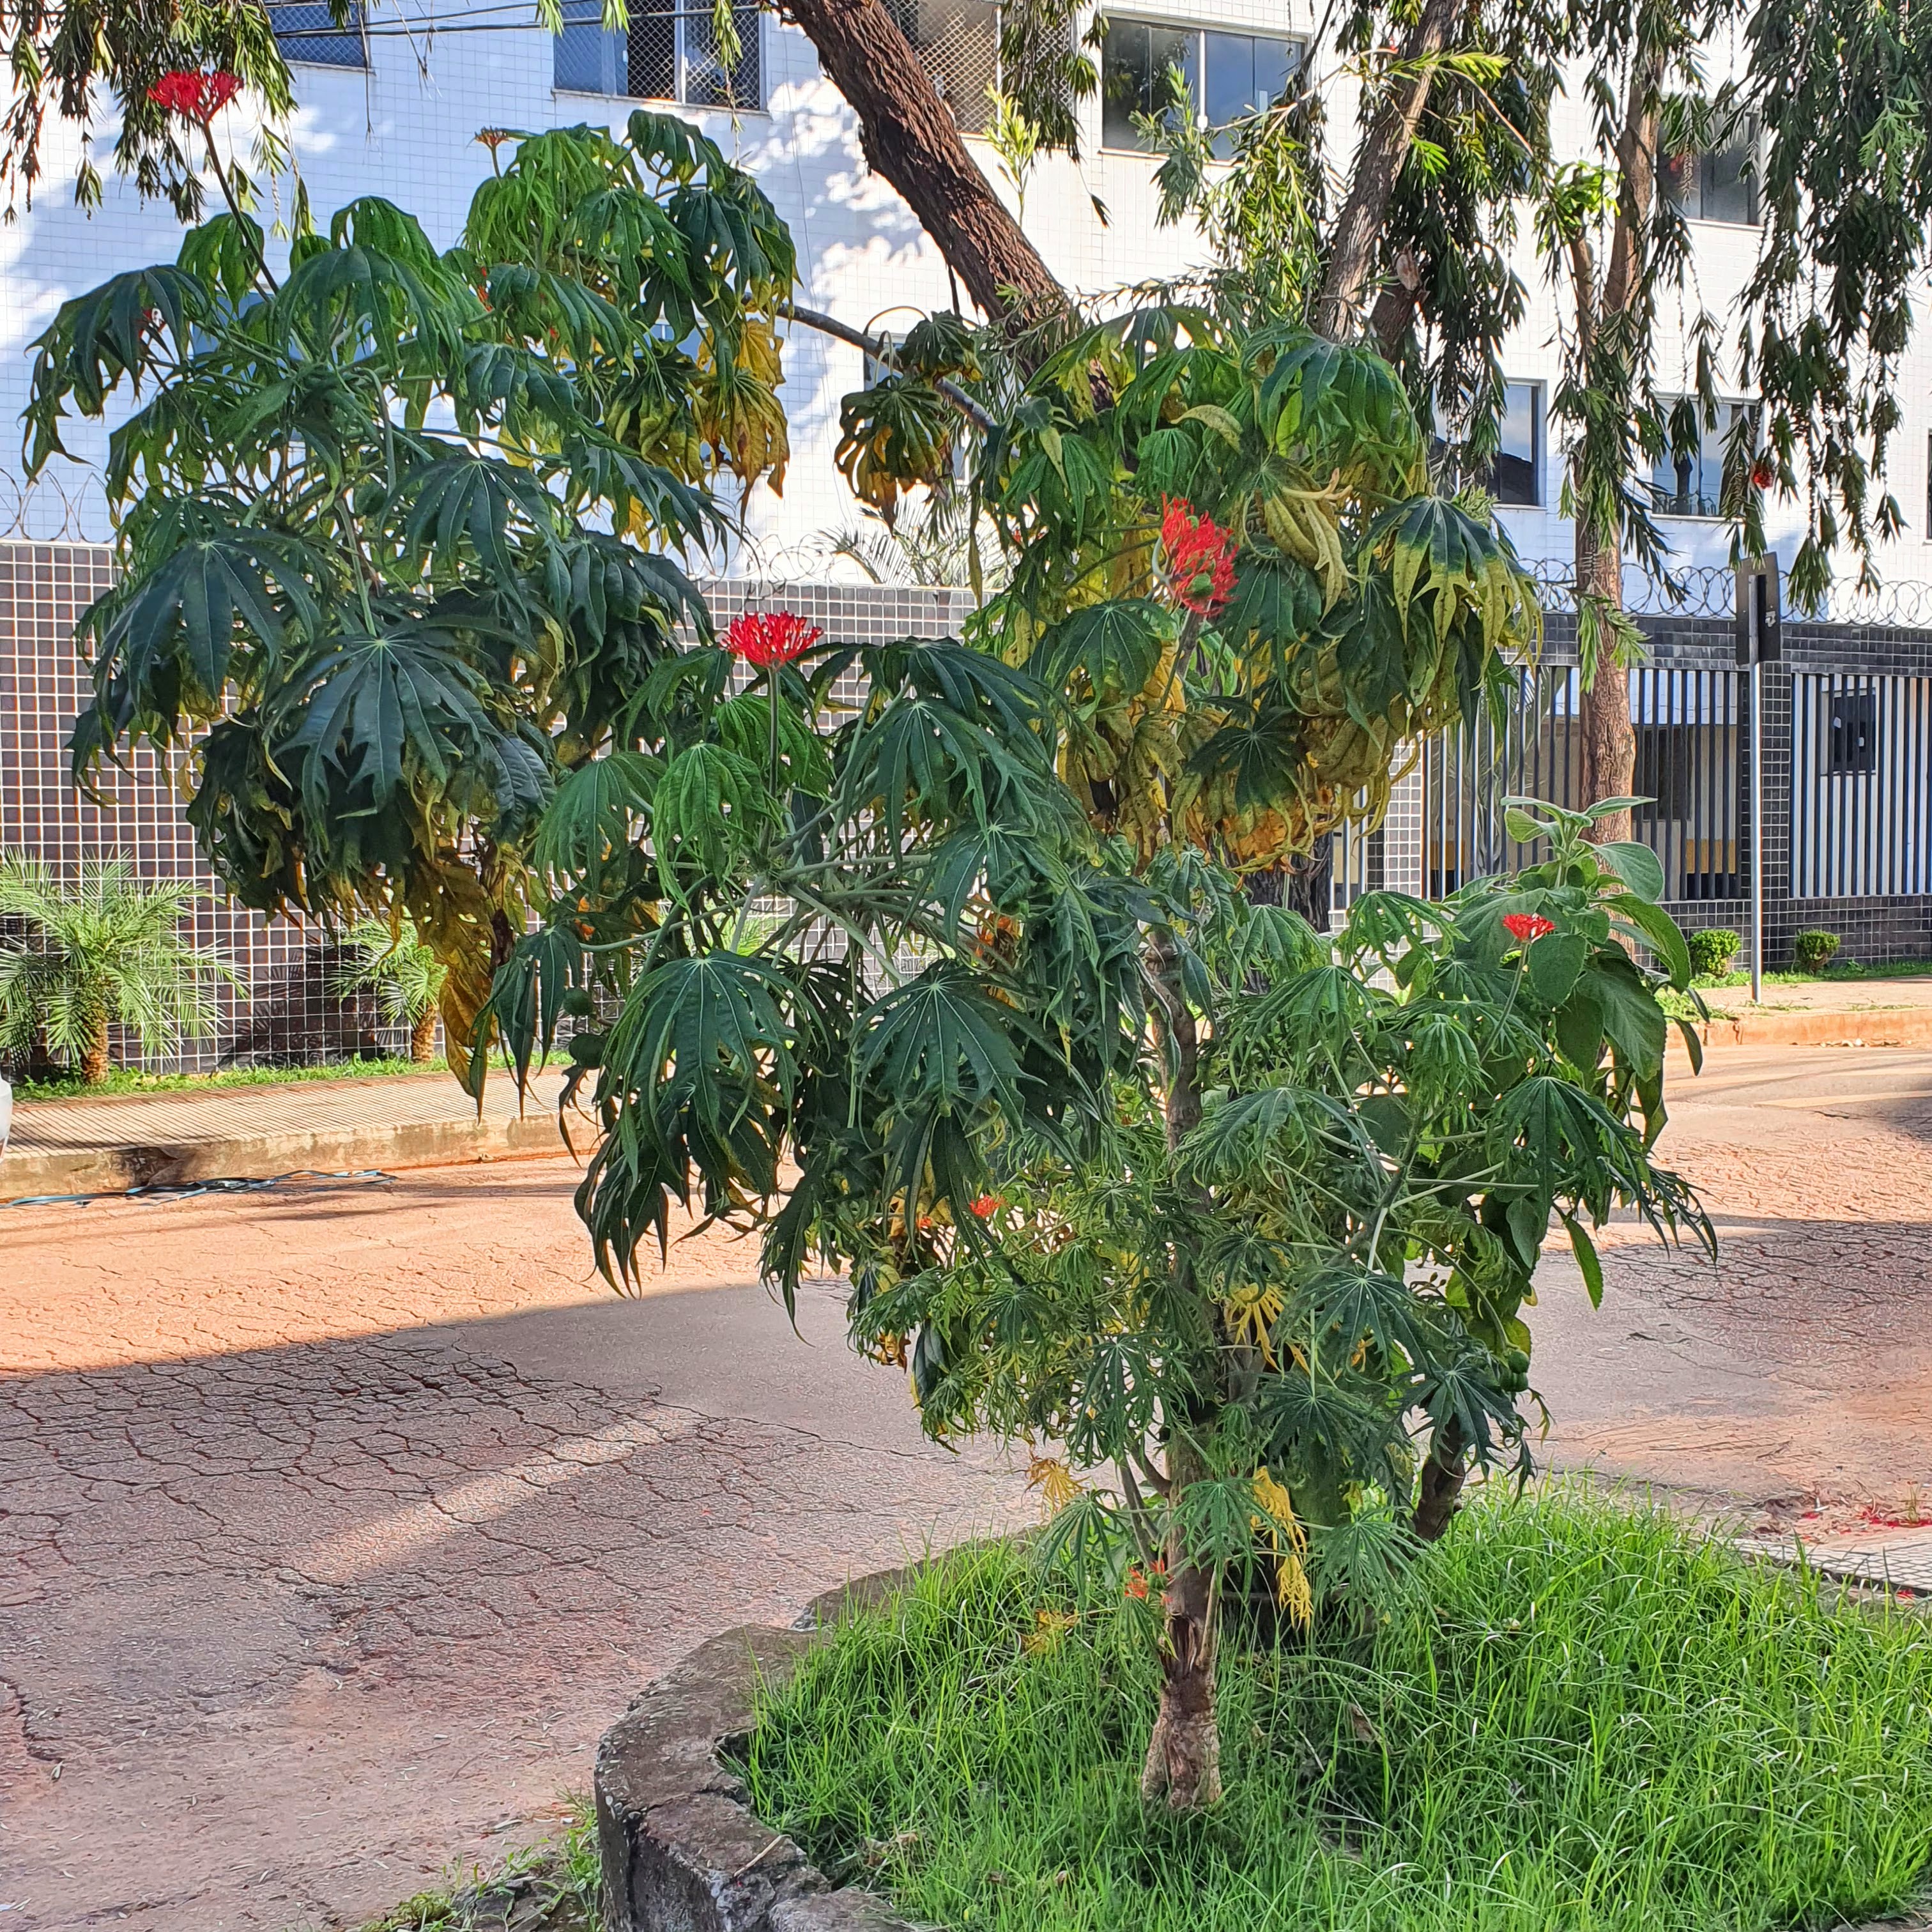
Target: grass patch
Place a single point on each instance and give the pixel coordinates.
(552, 1887)
(1832, 976)
(1590, 1718)
(132, 1080)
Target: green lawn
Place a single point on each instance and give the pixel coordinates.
(1590, 1719)
(1895, 969)
(132, 1080)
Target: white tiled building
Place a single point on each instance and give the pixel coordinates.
(395, 110)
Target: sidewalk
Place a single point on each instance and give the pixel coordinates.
(1838, 1012)
(124, 1141)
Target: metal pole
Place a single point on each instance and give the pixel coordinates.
(1757, 782)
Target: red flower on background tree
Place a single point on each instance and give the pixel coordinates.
(1200, 558)
(770, 637)
(195, 96)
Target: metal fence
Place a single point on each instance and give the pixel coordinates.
(1688, 744)
(1861, 785)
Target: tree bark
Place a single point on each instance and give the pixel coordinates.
(1306, 884)
(94, 1061)
(908, 135)
(422, 1039)
(1378, 162)
(1184, 1755)
(1440, 1489)
(1610, 741)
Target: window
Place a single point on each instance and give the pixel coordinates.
(309, 33)
(1719, 186)
(669, 53)
(1147, 65)
(958, 43)
(1854, 733)
(1516, 475)
(1689, 485)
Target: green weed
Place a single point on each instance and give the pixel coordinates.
(1589, 1717)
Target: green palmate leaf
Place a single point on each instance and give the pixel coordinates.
(708, 808)
(1114, 646)
(592, 819)
(942, 1040)
(1632, 1021)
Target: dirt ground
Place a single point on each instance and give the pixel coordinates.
(336, 1523)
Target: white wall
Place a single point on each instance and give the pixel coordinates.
(405, 128)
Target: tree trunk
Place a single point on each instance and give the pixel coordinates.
(1306, 884)
(907, 133)
(1184, 1755)
(1440, 1489)
(422, 1039)
(94, 1061)
(1609, 739)
(1378, 161)
(1610, 742)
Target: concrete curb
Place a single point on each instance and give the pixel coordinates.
(26, 1172)
(1895, 1026)
(681, 1851)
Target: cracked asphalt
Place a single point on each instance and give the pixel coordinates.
(336, 1522)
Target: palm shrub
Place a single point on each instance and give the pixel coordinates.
(404, 973)
(102, 949)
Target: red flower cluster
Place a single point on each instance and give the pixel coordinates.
(770, 637)
(1527, 926)
(199, 97)
(1138, 1579)
(1200, 557)
(987, 1206)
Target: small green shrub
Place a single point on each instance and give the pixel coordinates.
(1812, 952)
(1712, 951)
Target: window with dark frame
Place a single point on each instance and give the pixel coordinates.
(1516, 476)
(1147, 66)
(309, 34)
(1689, 483)
(1854, 733)
(1721, 186)
(669, 52)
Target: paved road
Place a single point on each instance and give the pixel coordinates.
(1797, 1372)
(340, 1522)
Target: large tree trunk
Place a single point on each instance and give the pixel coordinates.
(1440, 1489)
(1378, 161)
(909, 135)
(94, 1061)
(1609, 739)
(1610, 742)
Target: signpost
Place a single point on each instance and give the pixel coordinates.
(1760, 640)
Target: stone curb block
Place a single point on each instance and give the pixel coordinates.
(1886, 1027)
(27, 1172)
(681, 1851)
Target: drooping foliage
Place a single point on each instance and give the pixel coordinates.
(1355, 610)
(397, 528)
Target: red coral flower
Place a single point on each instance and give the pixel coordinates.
(770, 637)
(196, 96)
(987, 1206)
(1527, 926)
(1200, 558)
